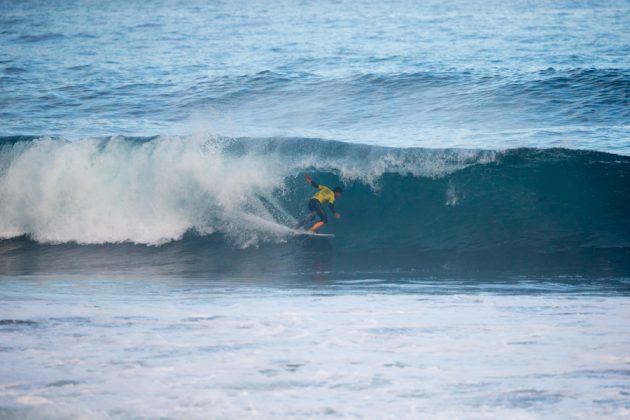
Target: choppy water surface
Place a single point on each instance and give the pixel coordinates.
(463, 74)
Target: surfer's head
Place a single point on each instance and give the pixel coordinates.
(338, 192)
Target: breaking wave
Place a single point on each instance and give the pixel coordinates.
(243, 193)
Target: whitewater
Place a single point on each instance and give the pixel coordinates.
(152, 161)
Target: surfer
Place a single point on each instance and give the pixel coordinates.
(324, 195)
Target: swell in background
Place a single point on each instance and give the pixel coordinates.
(426, 74)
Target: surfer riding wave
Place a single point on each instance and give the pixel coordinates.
(315, 205)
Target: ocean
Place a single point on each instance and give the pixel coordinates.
(152, 160)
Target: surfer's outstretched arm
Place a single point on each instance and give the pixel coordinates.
(332, 208)
(310, 180)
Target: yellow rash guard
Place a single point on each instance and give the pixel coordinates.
(324, 195)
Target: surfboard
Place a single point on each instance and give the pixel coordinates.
(306, 233)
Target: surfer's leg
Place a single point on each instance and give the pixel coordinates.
(306, 221)
(312, 210)
(316, 226)
(317, 206)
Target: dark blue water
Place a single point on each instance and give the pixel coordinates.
(464, 74)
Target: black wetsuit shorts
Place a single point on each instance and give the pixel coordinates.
(316, 206)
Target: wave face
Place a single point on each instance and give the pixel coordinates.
(238, 196)
(151, 191)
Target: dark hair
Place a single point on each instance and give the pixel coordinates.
(338, 190)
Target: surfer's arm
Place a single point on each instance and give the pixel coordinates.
(310, 180)
(332, 208)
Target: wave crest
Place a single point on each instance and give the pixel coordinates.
(154, 190)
